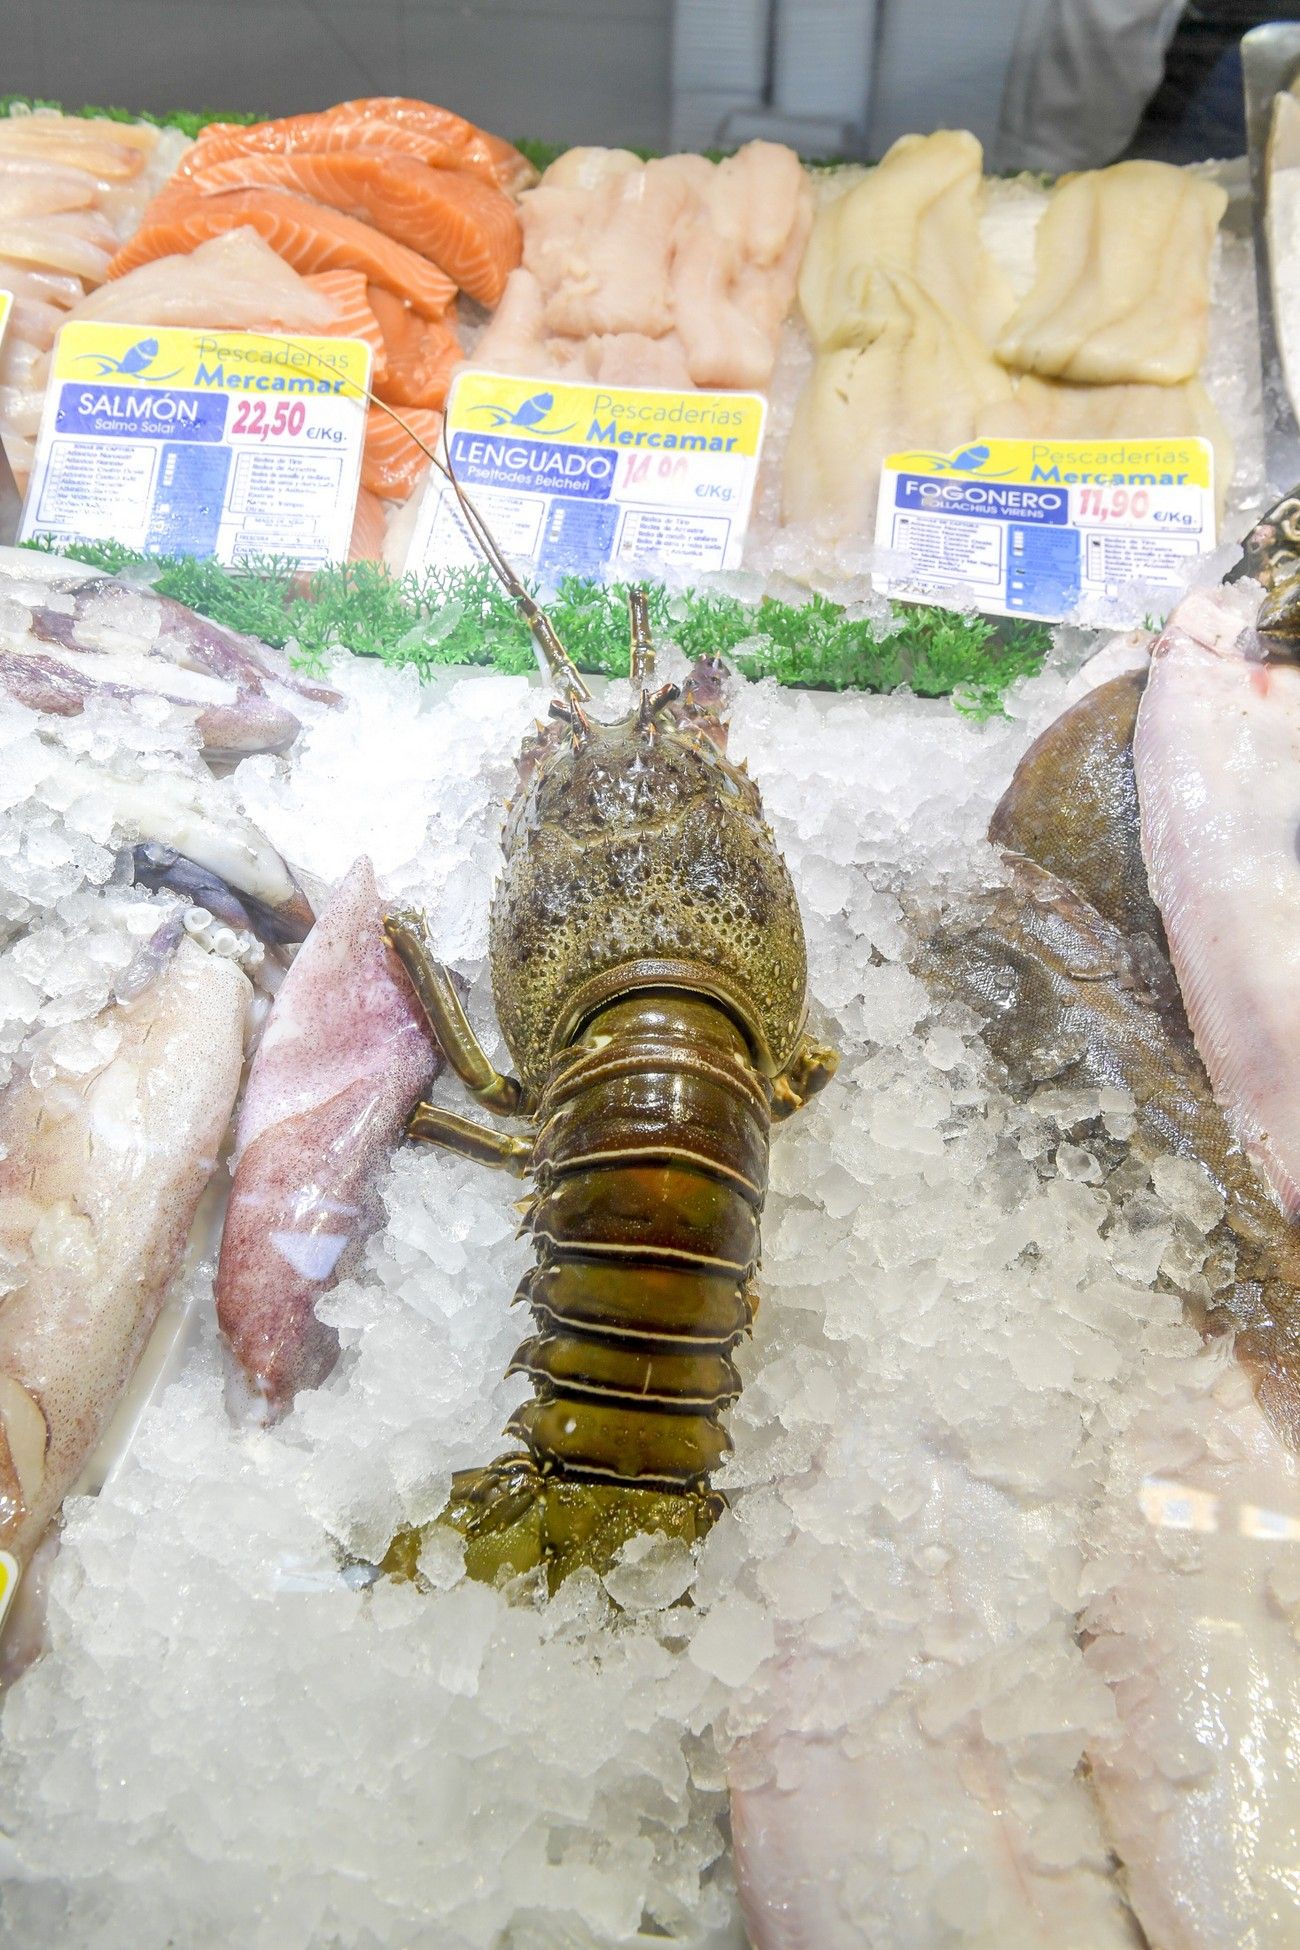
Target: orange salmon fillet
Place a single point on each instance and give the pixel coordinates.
(466, 226)
(368, 528)
(306, 235)
(391, 462)
(433, 135)
(420, 354)
(354, 316)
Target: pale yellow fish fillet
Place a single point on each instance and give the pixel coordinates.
(98, 1185)
(1052, 409)
(918, 212)
(923, 381)
(1121, 290)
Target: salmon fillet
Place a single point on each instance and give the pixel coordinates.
(420, 354)
(466, 226)
(432, 135)
(353, 315)
(306, 235)
(391, 462)
(368, 528)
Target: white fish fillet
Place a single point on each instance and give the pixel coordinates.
(922, 380)
(890, 1803)
(31, 281)
(1053, 409)
(41, 191)
(116, 152)
(735, 263)
(602, 254)
(77, 242)
(98, 1186)
(1193, 1626)
(1121, 290)
(1217, 758)
(677, 272)
(918, 212)
(231, 282)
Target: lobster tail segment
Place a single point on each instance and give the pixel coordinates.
(651, 1166)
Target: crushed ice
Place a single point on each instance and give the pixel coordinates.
(232, 1741)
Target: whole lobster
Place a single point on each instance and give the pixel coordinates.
(650, 978)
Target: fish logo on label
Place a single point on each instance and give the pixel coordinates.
(531, 415)
(970, 460)
(133, 364)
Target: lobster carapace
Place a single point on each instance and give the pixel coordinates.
(650, 979)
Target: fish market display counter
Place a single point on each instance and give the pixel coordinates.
(863, 1052)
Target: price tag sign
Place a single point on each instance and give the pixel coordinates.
(598, 481)
(180, 442)
(1042, 527)
(8, 1582)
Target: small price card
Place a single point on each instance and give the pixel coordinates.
(599, 481)
(1040, 527)
(180, 442)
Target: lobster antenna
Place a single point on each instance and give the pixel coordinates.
(559, 665)
(643, 650)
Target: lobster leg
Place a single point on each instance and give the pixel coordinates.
(809, 1070)
(433, 1125)
(406, 936)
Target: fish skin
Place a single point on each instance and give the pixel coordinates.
(1194, 1632)
(344, 1058)
(465, 226)
(1066, 994)
(307, 235)
(1215, 752)
(1088, 834)
(98, 1187)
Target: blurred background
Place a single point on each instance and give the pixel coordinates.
(1047, 84)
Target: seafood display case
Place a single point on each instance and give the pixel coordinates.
(649, 1130)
